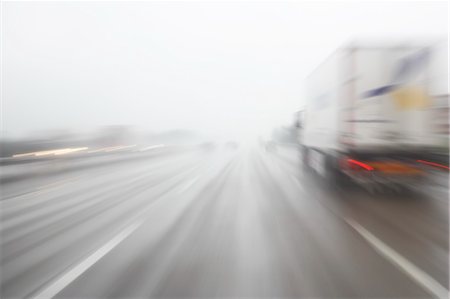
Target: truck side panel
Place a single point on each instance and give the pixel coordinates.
(391, 110)
(321, 115)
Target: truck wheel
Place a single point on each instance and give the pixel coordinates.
(335, 177)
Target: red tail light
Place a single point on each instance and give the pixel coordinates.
(352, 163)
(433, 164)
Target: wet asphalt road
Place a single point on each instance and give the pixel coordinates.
(219, 222)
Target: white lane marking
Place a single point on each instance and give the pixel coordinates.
(402, 263)
(58, 285)
(187, 185)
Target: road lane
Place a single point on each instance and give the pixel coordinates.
(35, 250)
(215, 223)
(403, 264)
(415, 224)
(247, 238)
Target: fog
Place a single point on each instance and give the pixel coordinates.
(179, 149)
(219, 68)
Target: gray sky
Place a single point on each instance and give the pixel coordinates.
(218, 67)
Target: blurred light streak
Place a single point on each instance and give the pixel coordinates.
(120, 147)
(111, 148)
(55, 152)
(152, 147)
(70, 150)
(361, 164)
(434, 164)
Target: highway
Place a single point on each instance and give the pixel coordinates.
(219, 222)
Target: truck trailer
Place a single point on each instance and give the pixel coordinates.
(369, 115)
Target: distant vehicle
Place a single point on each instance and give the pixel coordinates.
(368, 115)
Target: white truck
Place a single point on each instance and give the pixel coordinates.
(369, 114)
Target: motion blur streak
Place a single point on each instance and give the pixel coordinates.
(361, 164)
(224, 149)
(214, 221)
(62, 151)
(70, 276)
(433, 164)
